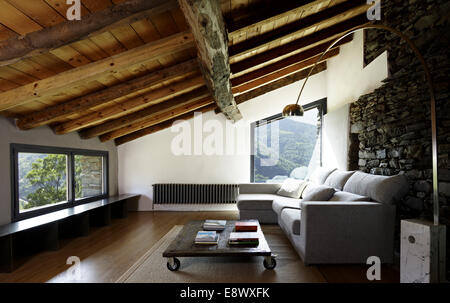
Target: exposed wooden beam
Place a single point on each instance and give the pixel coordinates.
(111, 65)
(269, 13)
(279, 83)
(157, 118)
(62, 110)
(145, 114)
(307, 41)
(205, 19)
(283, 72)
(133, 104)
(289, 61)
(161, 126)
(66, 32)
(342, 10)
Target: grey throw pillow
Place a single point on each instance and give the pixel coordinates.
(292, 188)
(319, 193)
(348, 197)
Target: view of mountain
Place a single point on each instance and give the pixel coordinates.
(296, 146)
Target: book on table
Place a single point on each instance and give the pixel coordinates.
(245, 226)
(214, 225)
(243, 238)
(207, 237)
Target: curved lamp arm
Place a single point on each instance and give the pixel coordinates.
(432, 101)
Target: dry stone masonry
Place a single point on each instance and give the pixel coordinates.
(391, 127)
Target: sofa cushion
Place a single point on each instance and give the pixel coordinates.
(255, 201)
(290, 218)
(319, 193)
(320, 174)
(283, 202)
(292, 188)
(348, 197)
(382, 189)
(338, 178)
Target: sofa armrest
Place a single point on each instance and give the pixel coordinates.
(259, 188)
(347, 230)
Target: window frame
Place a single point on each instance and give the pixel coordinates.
(15, 149)
(320, 105)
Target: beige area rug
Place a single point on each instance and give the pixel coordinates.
(151, 267)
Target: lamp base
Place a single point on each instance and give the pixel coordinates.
(422, 252)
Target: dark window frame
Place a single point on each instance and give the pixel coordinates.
(320, 105)
(15, 149)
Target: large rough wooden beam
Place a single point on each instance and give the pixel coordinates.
(279, 83)
(147, 99)
(206, 22)
(166, 124)
(66, 32)
(111, 65)
(62, 110)
(144, 114)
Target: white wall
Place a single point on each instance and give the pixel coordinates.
(150, 160)
(9, 133)
(347, 79)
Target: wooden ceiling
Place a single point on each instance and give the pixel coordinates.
(130, 68)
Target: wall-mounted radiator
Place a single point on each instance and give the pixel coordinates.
(195, 193)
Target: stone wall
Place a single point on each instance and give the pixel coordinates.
(90, 176)
(391, 127)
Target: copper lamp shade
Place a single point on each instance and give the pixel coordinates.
(293, 110)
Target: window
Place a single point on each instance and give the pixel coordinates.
(287, 147)
(47, 179)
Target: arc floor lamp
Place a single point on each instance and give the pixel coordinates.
(297, 110)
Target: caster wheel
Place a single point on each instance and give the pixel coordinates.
(175, 266)
(271, 265)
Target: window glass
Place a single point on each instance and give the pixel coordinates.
(42, 180)
(88, 176)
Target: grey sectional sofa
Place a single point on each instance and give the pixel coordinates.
(355, 223)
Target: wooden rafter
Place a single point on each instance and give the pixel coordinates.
(307, 41)
(294, 60)
(80, 104)
(111, 65)
(342, 10)
(279, 83)
(283, 72)
(156, 118)
(205, 19)
(66, 32)
(145, 114)
(166, 124)
(130, 105)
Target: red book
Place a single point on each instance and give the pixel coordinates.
(245, 226)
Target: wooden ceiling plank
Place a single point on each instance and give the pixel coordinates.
(89, 72)
(61, 7)
(16, 20)
(296, 45)
(38, 11)
(205, 19)
(96, 5)
(148, 113)
(279, 83)
(161, 126)
(133, 104)
(283, 72)
(39, 40)
(297, 26)
(294, 59)
(79, 104)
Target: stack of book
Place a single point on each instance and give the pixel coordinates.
(207, 237)
(214, 225)
(243, 238)
(245, 226)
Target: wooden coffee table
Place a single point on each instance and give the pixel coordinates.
(184, 246)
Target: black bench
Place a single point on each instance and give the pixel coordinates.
(43, 232)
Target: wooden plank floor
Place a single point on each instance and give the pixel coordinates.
(109, 251)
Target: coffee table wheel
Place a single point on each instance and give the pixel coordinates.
(270, 263)
(173, 264)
